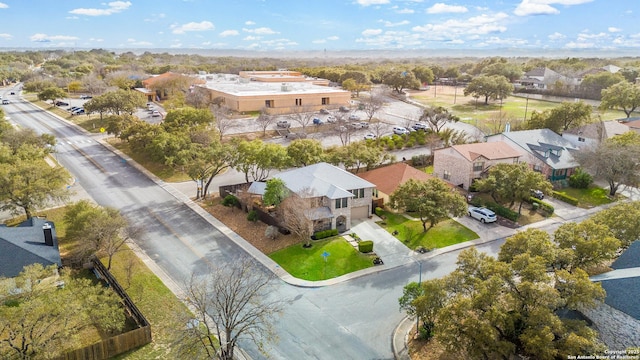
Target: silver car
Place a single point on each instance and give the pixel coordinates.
(483, 214)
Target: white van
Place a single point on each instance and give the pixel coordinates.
(5, 102)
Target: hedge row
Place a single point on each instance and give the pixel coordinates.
(566, 198)
(325, 234)
(545, 206)
(503, 211)
(365, 246)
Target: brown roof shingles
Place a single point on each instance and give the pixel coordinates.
(491, 151)
(388, 178)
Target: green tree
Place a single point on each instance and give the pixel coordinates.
(423, 74)
(116, 102)
(43, 321)
(534, 242)
(303, 152)
(561, 118)
(204, 162)
(490, 87)
(431, 201)
(51, 93)
(508, 183)
(623, 95)
(275, 192)
(593, 84)
(592, 244)
(399, 80)
(622, 221)
(437, 117)
(257, 158)
(187, 118)
(510, 71)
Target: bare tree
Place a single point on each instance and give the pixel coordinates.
(303, 115)
(437, 118)
(379, 128)
(374, 102)
(224, 123)
(229, 303)
(198, 98)
(264, 120)
(294, 211)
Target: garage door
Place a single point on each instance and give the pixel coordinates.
(360, 212)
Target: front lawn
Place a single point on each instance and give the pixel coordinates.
(588, 198)
(309, 264)
(410, 232)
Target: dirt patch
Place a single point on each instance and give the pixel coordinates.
(253, 232)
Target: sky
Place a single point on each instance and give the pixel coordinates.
(303, 25)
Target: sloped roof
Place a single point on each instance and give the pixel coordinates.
(491, 151)
(540, 71)
(24, 245)
(323, 179)
(633, 124)
(388, 178)
(600, 130)
(539, 142)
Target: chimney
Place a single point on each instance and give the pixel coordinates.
(48, 236)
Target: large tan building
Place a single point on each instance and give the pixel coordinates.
(279, 92)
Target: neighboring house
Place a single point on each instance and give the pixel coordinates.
(544, 78)
(276, 92)
(461, 165)
(591, 135)
(337, 197)
(387, 179)
(544, 150)
(32, 242)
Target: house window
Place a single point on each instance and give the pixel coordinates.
(325, 101)
(298, 102)
(446, 175)
(537, 168)
(358, 193)
(268, 103)
(478, 166)
(581, 139)
(341, 203)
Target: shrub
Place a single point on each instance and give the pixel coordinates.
(271, 232)
(545, 206)
(252, 216)
(365, 246)
(421, 160)
(503, 211)
(566, 198)
(378, 211)
(580, 179)
(230, 201)
(325, 234)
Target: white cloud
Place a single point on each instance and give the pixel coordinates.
(49, 38)
(544, 7)
(192, 26)
(512, 42)
(333, 38)
(3, 6)
(372, 32)
(405, 11)
(391, 24)
(229, 33)
(614, 29)
(6, 36)
(249, 22)
(113, 8)
(556, 36)
(372, 2)
(252, 38)
(478, 25)
(95, 40)
(440, 8)
(135, 42)
(261, 31)
(319, 41)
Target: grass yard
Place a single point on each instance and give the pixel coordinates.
(588, 198)
(410, 232)
(309, 264)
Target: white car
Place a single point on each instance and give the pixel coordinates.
(419, 126)
(399, 130)
(370, 137)
(483, 214)
(331, 119)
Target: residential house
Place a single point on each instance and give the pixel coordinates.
(544, 150)
(336, 196)
(591, 135)
(32, 242)
(388, 178)
(544, 78)
(461, 165)
(633, 124)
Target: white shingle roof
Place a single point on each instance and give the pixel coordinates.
(323, 179)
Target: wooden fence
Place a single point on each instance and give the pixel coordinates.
(118, 344)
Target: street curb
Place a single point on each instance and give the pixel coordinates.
(399, 346)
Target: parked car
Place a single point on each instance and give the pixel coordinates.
(283, 124)
(5, 101)
(331, 119)
(12, 93)
(61, 103)
(317, 121)
(483, 214)
(155, 113)
(324, 111)
(79, 111)
(419, 126)
(73, 108)
(293, 135)
(86, 97)
(364, 124)
(370, 137)
(344, 109)
(537, 194)
(354, 117)
(399, 130)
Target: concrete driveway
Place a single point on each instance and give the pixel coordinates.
(392, 251)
